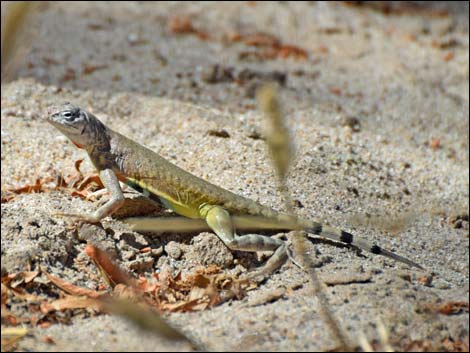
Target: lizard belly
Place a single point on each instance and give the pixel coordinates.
(173, 203)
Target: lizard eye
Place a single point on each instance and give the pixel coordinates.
(68, 115)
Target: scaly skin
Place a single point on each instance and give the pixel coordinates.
(118, 158)
(143, 169)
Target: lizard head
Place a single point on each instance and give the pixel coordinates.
(80, 126)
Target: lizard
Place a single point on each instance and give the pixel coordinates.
(120, 159)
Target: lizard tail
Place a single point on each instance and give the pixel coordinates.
(347, 238)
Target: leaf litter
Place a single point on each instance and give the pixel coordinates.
(77, 184)
(39, 298)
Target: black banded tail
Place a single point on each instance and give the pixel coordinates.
(347, 238)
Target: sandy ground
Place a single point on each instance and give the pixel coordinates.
(379, 114)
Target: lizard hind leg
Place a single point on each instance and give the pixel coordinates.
(220, 221)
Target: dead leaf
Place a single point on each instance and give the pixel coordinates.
(183, 25)
(77, 165)
(7, 196)
(336, 91)
(177, 24)
(71, 288)
(131, 294)
(82, 194)
(448, 57)
(89, 69)
(94, 178)
(112, 273)
(70, 302)
(286, 51)
(261, 40)
(435, 143)
(451, 345)
(453, 308)
(28, 188)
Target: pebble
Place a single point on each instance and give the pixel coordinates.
(173, 250)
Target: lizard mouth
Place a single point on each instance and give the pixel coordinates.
(77, 145)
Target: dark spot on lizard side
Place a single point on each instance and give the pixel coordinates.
(145, 192)
(135, 186)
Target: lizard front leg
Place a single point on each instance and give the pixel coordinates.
(111, 182)
(220, 221)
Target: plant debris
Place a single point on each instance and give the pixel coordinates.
(268, 47)
(453, 308)
(183, 25)
(77, 185)
(47, 299)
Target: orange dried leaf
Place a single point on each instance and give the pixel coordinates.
(261, 40)
(425, 280)
(183, 25)
(286, 51)
(89, 69)
(29, 276)
(453, 308)
(9, 318)
(180, 25)
(15, 279)
(112, 272)
(448, 57)
(122, 291)
(82, 194)
(71, 302)
(455, 346)
(60, 182)
(7, 196)
(94, 178)
(78, 163)
(146, 287)
(28, 188)
(336, 91)
(202, 35)
(69, 75)
(200, 281)
(18, 293)
(184, 306)
(435, 143)
(71, 288)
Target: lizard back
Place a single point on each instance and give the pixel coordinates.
(179, 190)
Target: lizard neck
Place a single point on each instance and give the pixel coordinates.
(100, 150)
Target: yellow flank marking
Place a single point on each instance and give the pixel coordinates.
(170, 202)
